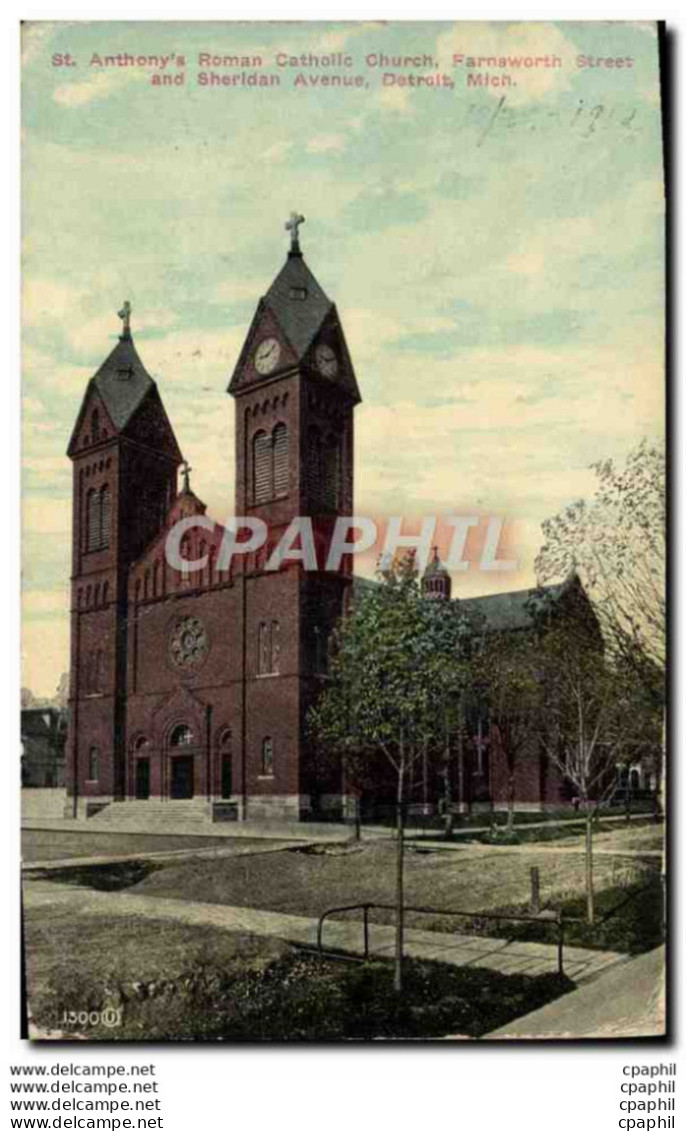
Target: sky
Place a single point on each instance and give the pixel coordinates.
(495, 254)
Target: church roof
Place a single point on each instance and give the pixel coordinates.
(298, 303)
(503, 612)
(123, 381)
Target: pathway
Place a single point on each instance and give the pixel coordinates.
(458, 950)
(624, 1002)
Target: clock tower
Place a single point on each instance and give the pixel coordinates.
(295, 391)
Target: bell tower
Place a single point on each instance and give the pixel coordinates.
(125, 458)
(295, 391)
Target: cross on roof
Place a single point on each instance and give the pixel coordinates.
(292, 226)
(186, 473)
(125, 315)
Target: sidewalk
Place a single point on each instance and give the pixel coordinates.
(301, 831)
(216, 851)
(307, 831)
(623, 1002)
(580, 964)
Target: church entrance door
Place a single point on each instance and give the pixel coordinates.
(226, 778)
(142, 779)
(181, 777)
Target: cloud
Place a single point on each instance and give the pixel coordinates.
(395, 99)
(45, 602)
(44, 652)
(35, 37)
(46, 516)
(326, 143)
(277, 152)
(98, 85)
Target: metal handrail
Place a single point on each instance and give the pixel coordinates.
(555, 917)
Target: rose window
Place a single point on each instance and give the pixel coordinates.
(188, 643)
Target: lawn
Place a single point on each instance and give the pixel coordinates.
(308, 881)
(176, 982)
(58, 845)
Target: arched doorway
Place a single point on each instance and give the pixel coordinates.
(181, 776)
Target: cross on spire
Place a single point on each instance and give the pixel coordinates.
(125, 315)
(292, 226)
(186, 474)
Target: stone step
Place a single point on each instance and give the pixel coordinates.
(153, 814)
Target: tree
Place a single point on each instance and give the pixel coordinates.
(386, 680)
(592, 714)
(449, 678)
(510, 673)
(617, 545)
(61, 697)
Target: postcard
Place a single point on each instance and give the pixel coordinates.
(343, 710)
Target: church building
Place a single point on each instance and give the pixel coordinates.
(194, 685)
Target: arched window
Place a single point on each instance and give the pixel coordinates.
(280, 446)
(267, 767)
(331, 477)
(98, 509)
(181, 735)
(92, 520)
(105, 592)
(262, 470)
(276, 646)
(263, 649)
(95, 424)
(105, 507)
(225, 750)
(93, 768)
(270, 464)
(314, 464)
(268, 647)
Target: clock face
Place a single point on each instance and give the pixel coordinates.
(267, 355)
(327, 362)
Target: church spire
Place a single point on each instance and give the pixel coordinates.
(436, 582)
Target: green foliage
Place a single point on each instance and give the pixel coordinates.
(617, 544)
(299, 997)
(629, 919)
(500, 835)
(398, 667)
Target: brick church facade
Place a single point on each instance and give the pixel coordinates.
(195, 683)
